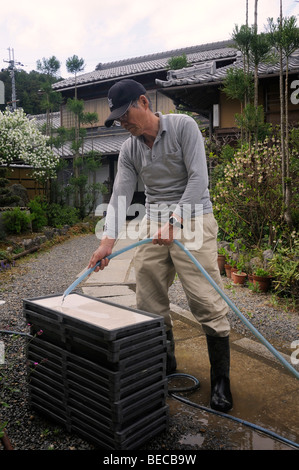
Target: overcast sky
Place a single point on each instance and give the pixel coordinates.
(105, 31)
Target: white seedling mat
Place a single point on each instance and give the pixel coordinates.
(93, 311)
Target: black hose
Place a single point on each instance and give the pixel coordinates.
(184, 389)
(196, 385)
(17, 333)
(219, 413)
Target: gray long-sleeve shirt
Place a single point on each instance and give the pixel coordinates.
(173, 171)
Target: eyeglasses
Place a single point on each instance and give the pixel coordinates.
(123, 117)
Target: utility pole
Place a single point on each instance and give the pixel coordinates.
(12, 68)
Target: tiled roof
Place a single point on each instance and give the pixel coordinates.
(205, 73)
(40, 119)
(106, 144)
(150, 63)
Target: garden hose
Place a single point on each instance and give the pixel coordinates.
(212, 282)
(196, 384)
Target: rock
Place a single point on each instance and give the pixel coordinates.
(238, 244)
(20, 191)
(223, 244)
(64, 230)
(267, 255)
(28, 243)
(255, 263)
(49, 232)
(39, 240)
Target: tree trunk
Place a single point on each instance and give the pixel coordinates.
(282, 112)
(288, 181)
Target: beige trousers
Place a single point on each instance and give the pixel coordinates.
(156, 266)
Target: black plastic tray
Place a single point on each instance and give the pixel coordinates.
(104, 385)
(154, 352)
(61, 334)
(52, 358)
(130, 438)
(116, 419)
(54, 317)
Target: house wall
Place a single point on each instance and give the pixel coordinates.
(268, 97)
(23, 176)
(272, 101)
(100, 106)
(228, 109)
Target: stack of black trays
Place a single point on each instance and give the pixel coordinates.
(107, 385)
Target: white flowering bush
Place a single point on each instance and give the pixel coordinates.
(21, 140)
(248, 198)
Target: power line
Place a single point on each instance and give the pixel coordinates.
(12, 68)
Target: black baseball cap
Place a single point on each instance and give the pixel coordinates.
(120, 96)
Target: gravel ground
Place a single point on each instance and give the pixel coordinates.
(51, 272)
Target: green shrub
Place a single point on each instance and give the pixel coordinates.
(16, 221)
(261, 272)
(38, 209)
(62, 215)
(285, 267)
(248, 198)
(52, 214)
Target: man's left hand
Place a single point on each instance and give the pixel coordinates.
(165, 235)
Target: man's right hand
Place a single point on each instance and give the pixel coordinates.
(101, 253)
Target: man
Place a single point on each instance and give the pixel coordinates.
(167, 153)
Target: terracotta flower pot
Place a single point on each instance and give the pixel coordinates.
(238, 278)
(264, 283)
(221, 263)
(227, 268)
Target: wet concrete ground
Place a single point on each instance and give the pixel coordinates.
(265, 393)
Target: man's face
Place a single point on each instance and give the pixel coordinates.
(134, 120)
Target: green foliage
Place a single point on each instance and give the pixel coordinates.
(254, 47)
(261, 272)
(76, 107)
(248, 199)
(62, 215)
(27, 86)
(52, 214)
(284, 34)
(49, 66)
(74, 64)
(285, 266)
(20, 139)
(16, 221)
(7, 198)
(238, 85)
(253, 122)
(259, 47)
(242, 36)
(178, 62)
(38, 208)
(90, 118)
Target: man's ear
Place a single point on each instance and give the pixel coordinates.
(144, 101)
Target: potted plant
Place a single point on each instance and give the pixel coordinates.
(262, 278)
(221, 260)
(228, 267)
(234, 268)
(239, 276)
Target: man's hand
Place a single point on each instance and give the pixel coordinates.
(165, 235)
(101, 253)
